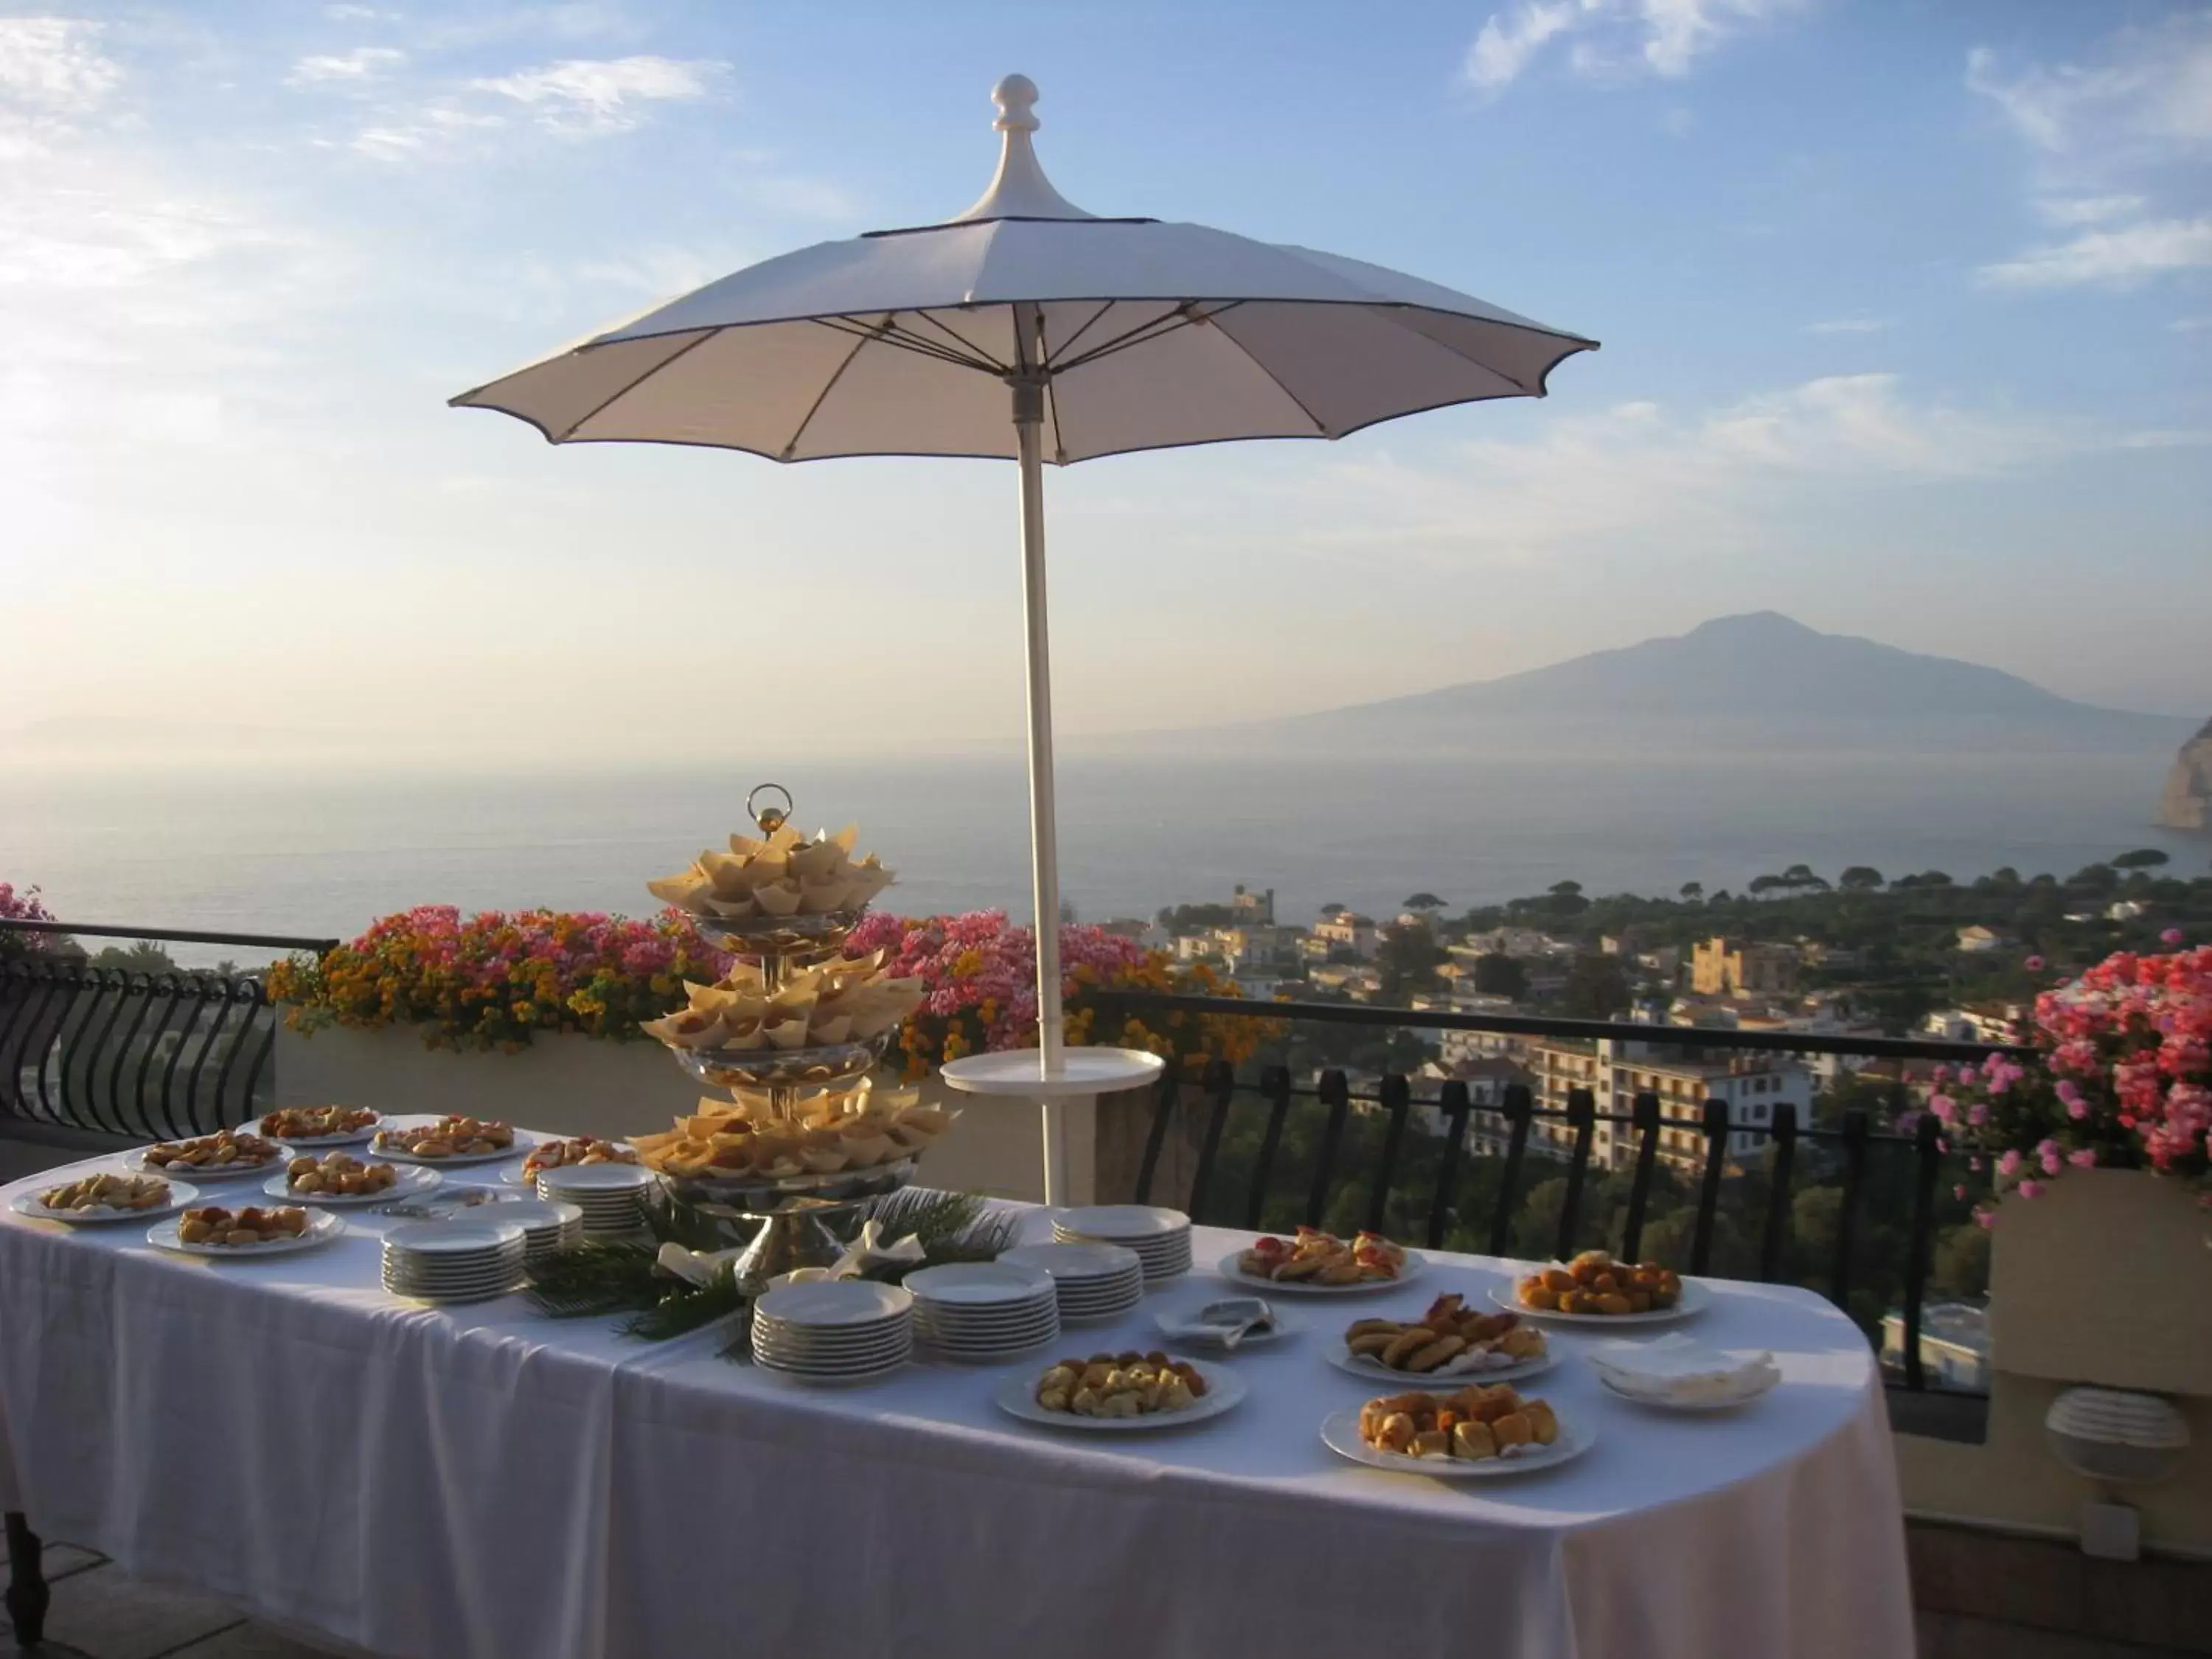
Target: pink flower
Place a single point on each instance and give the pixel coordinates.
(1985, 1219)
(2171, 936)
(2034, 964)
(2031, 1189)
(2085, 1158)
(2051, 1162)
(1959, 1191)
(2008, 1163)
(1943, 1106)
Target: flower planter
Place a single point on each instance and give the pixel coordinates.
(2105, 1279)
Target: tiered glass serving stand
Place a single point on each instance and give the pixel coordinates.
(798, 1217)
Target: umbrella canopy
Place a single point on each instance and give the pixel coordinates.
(1026, 329)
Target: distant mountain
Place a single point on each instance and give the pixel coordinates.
(1754, 681)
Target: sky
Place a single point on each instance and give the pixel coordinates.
(1906, 311)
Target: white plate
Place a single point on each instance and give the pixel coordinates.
(979, 1284)
(813, 1380)
(523, 1142)
(476, 1235)
(1078, 1265)
(1228, 1269)
(411, 1184)
(322, 1227)
(1695, 1299)
(181, 1194)
(1017, 1397)
(1339, 1432)
(135, 1162)
(351, 1137)
(831, 1303)
(598, 1179)
(1369, 1369)
(1133, 1224)
(1769, 1380)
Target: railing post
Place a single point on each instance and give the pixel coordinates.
(1777, 1194)
(1581, 1118)
(1856, 1130)
(1709, 1186)
(1397, 1097)
(1220, 1084)
(1275, 1086)
(1644, 1117)
(1336, 1094)
(1456, 1106)
(1164, 1108)
(1926, 1163)
(1520, 1111)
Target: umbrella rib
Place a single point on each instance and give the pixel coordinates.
(1068, 345)
(604, 404)
(1145, 332)
(1321, 427)
(888, 334)
(982, 356)
(828, 386)
(1398, 314)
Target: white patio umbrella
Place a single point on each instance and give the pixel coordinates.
(1026, 329)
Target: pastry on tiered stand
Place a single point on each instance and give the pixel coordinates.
(790, 1030)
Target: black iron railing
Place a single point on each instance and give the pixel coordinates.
(1728, 1185)
(125, 1051)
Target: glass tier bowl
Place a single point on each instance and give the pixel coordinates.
(784, 1068)
(803, 1220)
(781, 936)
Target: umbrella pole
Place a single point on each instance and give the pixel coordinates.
(1044, 833)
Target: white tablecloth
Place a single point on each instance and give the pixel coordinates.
(482, 1482)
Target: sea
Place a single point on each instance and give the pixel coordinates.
(319, 850)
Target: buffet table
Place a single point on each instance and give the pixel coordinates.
(483, 1481)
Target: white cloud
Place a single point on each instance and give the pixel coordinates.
(1859, 323)
(402, 138)
(2120, 258)
(1641, 473)
(54, 64)
(361, 63)
(604, 94)
(2190, 324)
(2104, 134)
(355, 14)
(1611, 38)
(2089, 210)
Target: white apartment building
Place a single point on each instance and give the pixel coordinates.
(1751, 1086)
(1348, 930)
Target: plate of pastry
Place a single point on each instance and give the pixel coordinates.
(249, 1229)
(1449, 1340)
(449, 1140)
(552, 1154)
(340, 1178)
(1594, 1289)
(1121, 1392)
(92, 1199)
(320, 1126)
(1315, 1263)
(223, 1156)
(1480, 1433)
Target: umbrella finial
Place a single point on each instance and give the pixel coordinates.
(1020, 191)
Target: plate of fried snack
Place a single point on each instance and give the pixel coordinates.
(1483, 1431)
(1317, 1262)
(822, 1022)
(320, 1126)
(341, 1178)
(106, 1196)
(1596, 1290)
(747, 1141)
(1120, 1393)
(218, 1156)
(449, 1140)
(215, 1229)
(549, 1154)
(773, 883)
(1449, 1340)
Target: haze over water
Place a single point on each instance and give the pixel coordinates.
(322, 853)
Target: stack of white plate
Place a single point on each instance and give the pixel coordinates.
(1095, 1281)
(546, 1227)
(1161, 1238)
(983, 1311)
(453, 1260)
(611, 1195)
(834, 1330)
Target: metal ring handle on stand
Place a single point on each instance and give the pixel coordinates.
(770, 820)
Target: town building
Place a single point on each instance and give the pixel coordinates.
(1616, 1072)
(1348, 930)
(1954, 1345)
(1978, 940)
(1250, 909)
(1736, 968)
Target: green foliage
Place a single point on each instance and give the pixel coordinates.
(1860, 878)
(2143, 858)
(1596, 988)
(143, 956)
(1409, 957)
(1189, 918)
(1497, 974)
